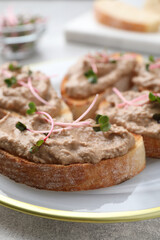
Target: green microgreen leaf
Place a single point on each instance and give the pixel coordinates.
(29, 72)
(21, 127)
(147, 66)
(154, 98)
(91, 76)
(10, 81)
(112, 61)
(103, 123)
(156, 117)
(39, 143)
(13, 68)
(151, 59)
(36, 147)
(32, 108)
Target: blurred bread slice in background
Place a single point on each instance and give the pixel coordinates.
(121, 15)
(153, 5)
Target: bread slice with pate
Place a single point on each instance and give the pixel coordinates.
(74, 158)
(19, 86)
(94, 74)
(139, 113)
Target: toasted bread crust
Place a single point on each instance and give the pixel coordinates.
(152, 146)
(74, 177)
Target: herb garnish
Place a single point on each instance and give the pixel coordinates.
(151, 60)
(32, 108)
(112, 61)
(154, 98)
(36, 147)
(13, 68)
(21, 126)
(91, 76)
(102, 123)
(29, 72)
(10, 81)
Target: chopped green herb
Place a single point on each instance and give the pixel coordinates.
(147, 66)
(29, 72)
(156, 117)
(21, 126)
(36, 147)
(103, 123)
(112, 61)
(151, 59)
(32, 108)
(154, 98)
(10, 81)
(91, 76)
(12, 68)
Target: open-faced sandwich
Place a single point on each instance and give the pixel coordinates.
(19, 86)
(56, 155)
(94, 74)
(139, 113)
(148, 75)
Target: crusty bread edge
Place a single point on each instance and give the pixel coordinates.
(108, 20)
(75, 177)
(152, 145)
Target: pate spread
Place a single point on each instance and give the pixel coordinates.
(137, 119)
(78, 145)
(78, 86)
(17, 97)
(149, 80)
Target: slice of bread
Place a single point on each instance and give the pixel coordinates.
(78, 106)
(153, 6)
(152, 145)
(121, 15)
(75, 177)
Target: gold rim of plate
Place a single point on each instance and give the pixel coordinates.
(71, 216)
(110, 217)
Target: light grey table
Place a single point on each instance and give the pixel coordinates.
(18, 226)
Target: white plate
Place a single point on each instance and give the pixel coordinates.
(135, 199)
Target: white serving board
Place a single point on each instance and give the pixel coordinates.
(85, 29)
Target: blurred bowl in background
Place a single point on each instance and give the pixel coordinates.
(20, 41)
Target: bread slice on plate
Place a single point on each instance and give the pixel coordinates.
(151, 139)
(75, 177)
(121, 15)
(77, 103)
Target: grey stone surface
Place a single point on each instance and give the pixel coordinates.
(15, 225)
(18, 226)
